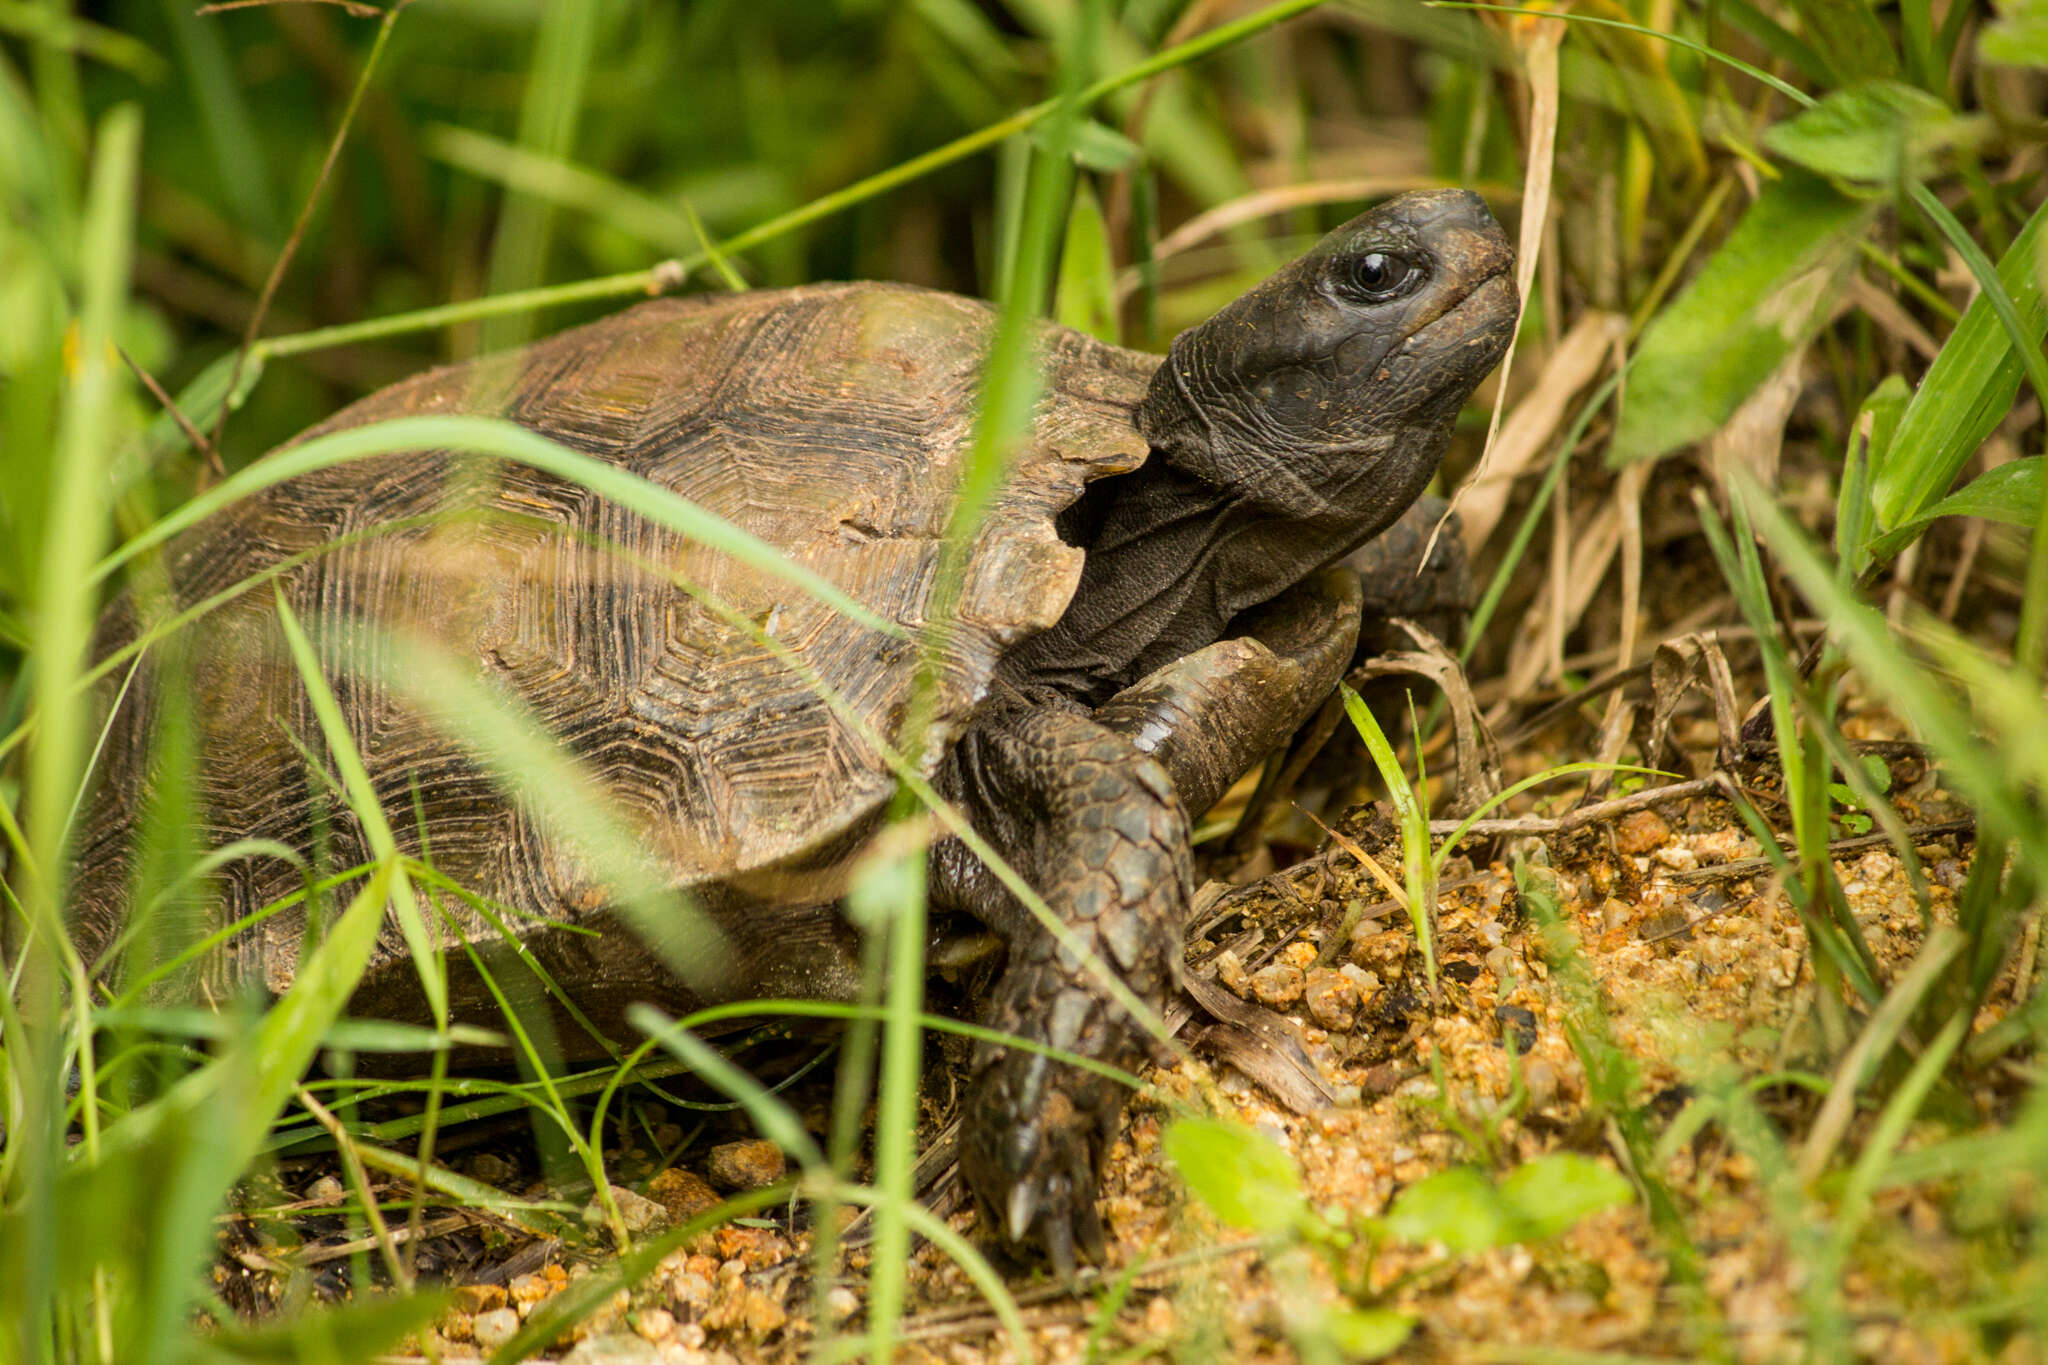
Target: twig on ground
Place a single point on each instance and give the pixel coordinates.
(1584, 815)
(1750, 867)
(380, 1233)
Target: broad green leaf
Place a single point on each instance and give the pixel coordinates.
(1967, 391)
(1243, 1176)
(2011, 493)
(2019, 37)
(1763, 294)
(1367, 1333)
(1458, 1207)
(1085, 296)
(1546, 1196)
(1870, 134)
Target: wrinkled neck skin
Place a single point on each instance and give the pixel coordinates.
(1209, 526)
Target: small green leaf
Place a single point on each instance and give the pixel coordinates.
(1243, 1176)
(1871, 134)
(1877, 772)
(1367, 1333)
(1457, 1207)
(2020, 37)
(1097, 146)
(1762, 295)
(1085, 296)
(1548, 1195)
(2009, 493)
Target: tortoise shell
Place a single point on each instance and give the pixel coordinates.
(831, 421)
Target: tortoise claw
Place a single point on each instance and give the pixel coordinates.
(1034, 1172)
(1059, 1248)
(1023, 1210)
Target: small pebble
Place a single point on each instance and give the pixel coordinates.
(841, 1302)
(613, 1348)
(691, 1291)
(1364, 982)
(1520, 1022)
(492, 1169)
(655, 1324)
(479, 1298)
(495, 1328)
(327, 1189)
(1381, 951)
(528, 1290)
(1640, 831)
(1278, 986)
(1539, 1078)
(745, 1165)
(1462, 970)
(1677, 857)
(1332, 999)
(638, 1212)
(685, 1194)
(1230, 971)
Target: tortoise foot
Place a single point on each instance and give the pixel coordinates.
(1037, 1132)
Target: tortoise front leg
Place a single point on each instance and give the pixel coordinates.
(1093, 825)
(1086, 809)
(1210, 716)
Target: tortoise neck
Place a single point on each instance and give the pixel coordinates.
(1171, 559)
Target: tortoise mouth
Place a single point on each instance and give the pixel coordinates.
(1485, 313)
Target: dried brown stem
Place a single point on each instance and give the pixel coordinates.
(298, 234)
(214, 470)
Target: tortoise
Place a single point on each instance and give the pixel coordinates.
(1144, 611)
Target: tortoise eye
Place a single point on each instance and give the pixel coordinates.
(1380, 275)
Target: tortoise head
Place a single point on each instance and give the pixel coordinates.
(1329, 391)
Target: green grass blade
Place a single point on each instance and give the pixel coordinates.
(64, 613)
(564, 184)
(1413, 818)
(563, 43)
(364, 805)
